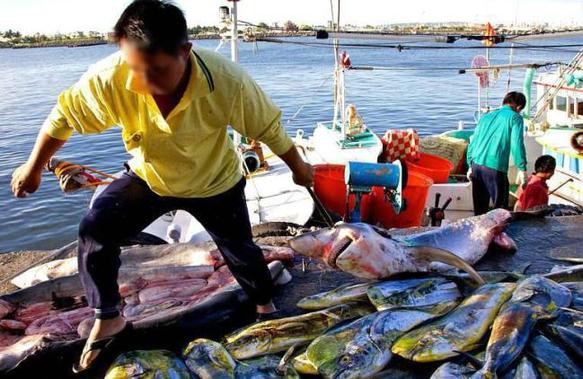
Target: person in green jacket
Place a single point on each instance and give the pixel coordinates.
(498, 134)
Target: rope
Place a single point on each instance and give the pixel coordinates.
(459, 70)
(401, 47)
(73, 177)
(302, 106)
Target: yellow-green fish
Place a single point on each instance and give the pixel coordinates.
(460, 330)
(274, 336)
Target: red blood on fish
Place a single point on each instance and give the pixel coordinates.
(270, 254)
(6, 308)
(505, 242)
(59, 323)
(129, 288)
(12, 325)
(167, 290)
(282, 253)
(34, 311)
(217, 258)
(220, 278)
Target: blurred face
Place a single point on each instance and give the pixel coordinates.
(159, 72)
(516, 108)
(546, 175)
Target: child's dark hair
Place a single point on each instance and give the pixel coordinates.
(545, 163)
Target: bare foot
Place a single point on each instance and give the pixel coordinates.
(266, 308)
(101, 329)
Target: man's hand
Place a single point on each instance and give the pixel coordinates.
(469, 174)
(25, 180)
(303, 175)
(522, 179)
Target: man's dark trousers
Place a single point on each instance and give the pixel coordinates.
(487, 184)
(128, 205)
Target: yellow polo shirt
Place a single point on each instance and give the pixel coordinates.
(188, 154)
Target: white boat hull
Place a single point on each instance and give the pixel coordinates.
(327, 148)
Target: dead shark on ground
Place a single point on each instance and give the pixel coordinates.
(371, 253)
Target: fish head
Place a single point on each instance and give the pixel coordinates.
(249, 342)
(544, 295)
(359, 360)
(495, 221)
(348, 246)
(202, 355)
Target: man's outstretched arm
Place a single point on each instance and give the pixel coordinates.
(26, 178)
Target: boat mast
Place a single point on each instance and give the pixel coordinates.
(234, 33)
(339, 88)
(235, 51)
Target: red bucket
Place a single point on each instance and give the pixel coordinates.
(329, 186)
(436, 168)
(377, 211)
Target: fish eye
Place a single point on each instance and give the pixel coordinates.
(345, 359)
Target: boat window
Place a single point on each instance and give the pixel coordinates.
(561, 103)
(578, 106)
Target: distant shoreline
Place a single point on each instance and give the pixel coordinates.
(96, 42)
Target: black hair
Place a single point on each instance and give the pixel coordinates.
(516, 98)
(153, 25)
(545, 163)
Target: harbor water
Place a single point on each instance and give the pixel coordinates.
(417, 93)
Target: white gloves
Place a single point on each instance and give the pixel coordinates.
(469, 174)
(522, 178)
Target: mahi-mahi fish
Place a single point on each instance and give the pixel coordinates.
(274, 336)
(359, 249)
(459, 331)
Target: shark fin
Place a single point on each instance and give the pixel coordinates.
(433, 254)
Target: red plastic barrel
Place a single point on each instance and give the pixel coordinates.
(436, 168)
(330, 188)
(377, 211)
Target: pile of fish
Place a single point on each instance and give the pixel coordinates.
(559, 210)
(513, 326)
(158, 284)
(201, 359)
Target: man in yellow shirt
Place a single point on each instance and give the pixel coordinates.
(173, 104)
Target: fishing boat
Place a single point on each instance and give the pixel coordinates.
(562, 129)
(346, 137)
(560, 134)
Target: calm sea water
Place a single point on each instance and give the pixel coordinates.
(294, 76)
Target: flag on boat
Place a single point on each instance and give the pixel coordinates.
(491, 34)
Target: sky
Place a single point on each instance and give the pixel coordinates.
(51, 16)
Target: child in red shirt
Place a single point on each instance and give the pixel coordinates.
(536, 192)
